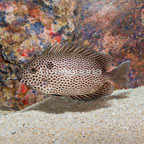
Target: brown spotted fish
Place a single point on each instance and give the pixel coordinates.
(72, 70)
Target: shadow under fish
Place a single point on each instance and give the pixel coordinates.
(59, 105)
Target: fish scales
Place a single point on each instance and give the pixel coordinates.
(70, 69)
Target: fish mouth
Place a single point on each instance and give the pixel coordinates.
(17, 72)
(18, 76)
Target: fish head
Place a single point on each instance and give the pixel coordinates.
(33, 73)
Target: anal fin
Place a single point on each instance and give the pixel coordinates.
(105, 90)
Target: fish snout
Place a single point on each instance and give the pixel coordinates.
(18, 74)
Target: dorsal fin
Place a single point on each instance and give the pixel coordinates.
(77, 47)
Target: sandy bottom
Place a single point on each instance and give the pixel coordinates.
(117, 119)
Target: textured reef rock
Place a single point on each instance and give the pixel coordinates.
(116, 27)
(28, 26)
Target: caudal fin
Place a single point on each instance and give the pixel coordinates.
(120, 74)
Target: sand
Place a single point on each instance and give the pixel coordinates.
(116, 119)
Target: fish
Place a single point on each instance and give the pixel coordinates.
(73, 70)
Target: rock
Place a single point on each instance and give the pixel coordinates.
(116, 27)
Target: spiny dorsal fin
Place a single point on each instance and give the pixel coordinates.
(77, 47)
(105, 90)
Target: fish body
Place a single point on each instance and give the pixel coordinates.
(73, 70)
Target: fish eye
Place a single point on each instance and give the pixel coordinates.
(33, 70)
(50, 65)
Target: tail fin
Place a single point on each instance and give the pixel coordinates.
(120, 74)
